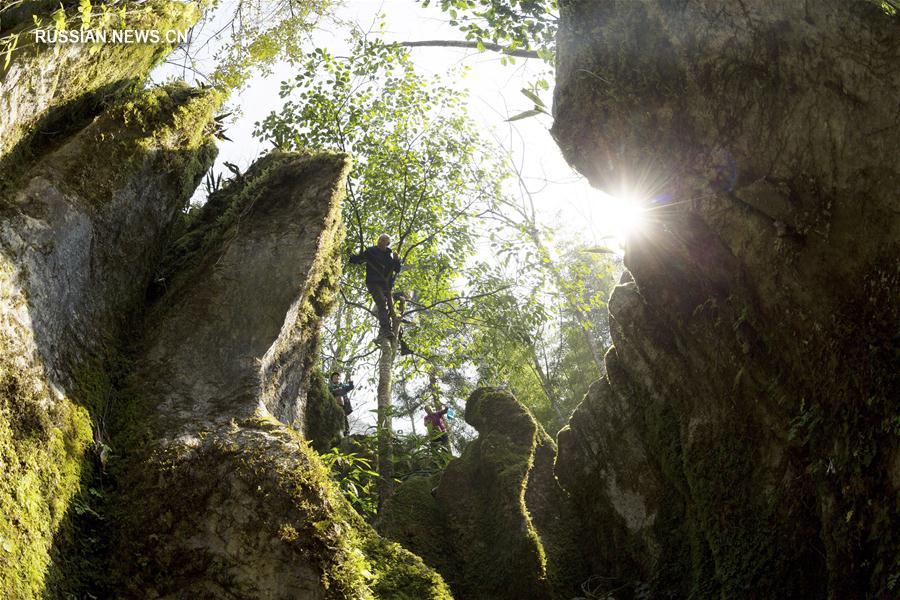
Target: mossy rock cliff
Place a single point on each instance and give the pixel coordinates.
(745, 442)
(48, 88)
(221, 495)
(81, 235)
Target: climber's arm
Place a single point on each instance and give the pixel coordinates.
(359, 259)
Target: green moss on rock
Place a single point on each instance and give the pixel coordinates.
(48, 431)
(52, 87)
(217, 494)
(758, 384)
(323, 418)
(164, 126)
(206, 227)
(42, 444)
(291, 513)
(495, 524)
(482, 495)
(413, 518)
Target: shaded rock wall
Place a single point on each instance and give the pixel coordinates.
(230, 501)
(181, 437)
(745, 441)
(215, 339)
(495, 523)
(86, 207)
(89, 221)
(222, 499)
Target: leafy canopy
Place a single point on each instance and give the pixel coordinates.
(513, 24)
(417, 175)
(509, 314)
(258, 32)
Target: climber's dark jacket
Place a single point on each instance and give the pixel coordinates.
(381, 266)
(340, 391)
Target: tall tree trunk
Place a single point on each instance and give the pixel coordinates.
(339, 340)
(434, 389)
(411, 408)
(384, 424)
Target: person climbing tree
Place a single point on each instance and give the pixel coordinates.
(437, 428)
(382, 266)
(340, 392)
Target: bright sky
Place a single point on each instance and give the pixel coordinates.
(563, 198)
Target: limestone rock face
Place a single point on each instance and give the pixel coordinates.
(223, 499)
(205, 489)
(86, 210)
(236, 331)
(744, 439)
(497, 524)
(79, 240)
(88, 223)
(44, 85)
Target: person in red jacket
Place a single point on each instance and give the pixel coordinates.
(436, 425)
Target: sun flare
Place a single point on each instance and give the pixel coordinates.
(621, 216)
(626, 214)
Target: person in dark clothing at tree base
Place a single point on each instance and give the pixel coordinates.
(382, 266)
(339, 391)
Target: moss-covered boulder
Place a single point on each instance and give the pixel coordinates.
(80, 238)
(45, 87)
(44, 439)
(744, 442)
(221, 496)
(495, 523)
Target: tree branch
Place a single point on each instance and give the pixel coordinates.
(352, 359)
(356, 304)
(440, 230)
(471, 44)
(422, 307)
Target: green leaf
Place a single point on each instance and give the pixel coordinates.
(11, 46)
(538, 103)
(525, 115)
(59, 18)
(85, 9)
